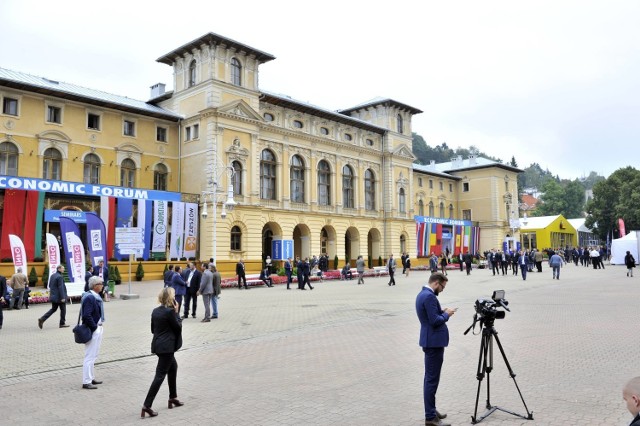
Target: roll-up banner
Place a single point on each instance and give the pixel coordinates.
(177, 230)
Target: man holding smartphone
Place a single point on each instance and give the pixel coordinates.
(434, 337)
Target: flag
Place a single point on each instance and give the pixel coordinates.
(53, 252)
(96, 239)
(76, 261)
(190, 230)
(68, 229)
(177, 230)
(18, 253)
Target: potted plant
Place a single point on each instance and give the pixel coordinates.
(45, 276)
(139, 272)
(335, 262)
(117, 277)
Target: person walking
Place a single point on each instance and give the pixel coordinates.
(555, 262)
(92, 313)
(407, 265)
(166, 327)
(391, 267)
(57, 297)
(523, 261)
(288, 271)
(18, 283)
(433, 263)
(443, 263)
(217, 281)
(360, 269)
(206, 290)
(178, 284)
(306, 272)
(241, 273)
(434, 337)
(630, 262)
(467, 261)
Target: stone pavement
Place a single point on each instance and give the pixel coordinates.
(340, 354)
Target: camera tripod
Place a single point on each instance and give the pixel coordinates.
(485, 365)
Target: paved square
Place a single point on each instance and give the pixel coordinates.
(341, 354)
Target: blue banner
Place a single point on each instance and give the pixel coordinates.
(68, 227)
(124, 219)
(55, 215)
(281, 249)
(77, 188)
(146, 225)
(96, 239)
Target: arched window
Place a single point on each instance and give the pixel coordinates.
(400, 123)
(236, 238)
(347, 187)
(369, 190)
(52, 164)
(297, 179)
(128, 173)
(236, 72)
(267, 175)
(442, 209)
(402, 202)
(160, 174)
(420, 208)
(237, 178)
(403, 243)
(92, 169)
(324, 184)
(450, 211)
(8, 159)
(192, 73)
(431, 209)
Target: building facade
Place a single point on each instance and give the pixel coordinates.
(336, 182)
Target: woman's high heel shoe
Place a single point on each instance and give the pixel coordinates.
(174, 402)
(148, 411)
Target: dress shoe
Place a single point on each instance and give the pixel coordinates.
(185, 316)
(173, 402)
(311, 287)
(64, 325)
(206, 320)
(435, 422)
(148, 411)
(40, 322)
(193, 316)
(98, 382)
(215, 316)
(89, 386)
(441, 415)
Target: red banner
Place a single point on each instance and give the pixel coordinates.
(12, 216)
(621, 228)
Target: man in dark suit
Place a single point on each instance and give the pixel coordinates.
(102, 272)
(87, 276)
(631, 395)
(193, 285)
(241, 273)
(3, 290)
(288, 271)
(168, 276)
(179, 285)
(57, 297)
(434, 337)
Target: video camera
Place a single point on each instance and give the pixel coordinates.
(487, 310)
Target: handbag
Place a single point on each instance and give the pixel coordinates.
(81, 333)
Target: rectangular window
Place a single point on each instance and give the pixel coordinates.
(54, 114)
(161, 134)
(450, 187)
(93, 121)
(420, 182)
(10, 106)
(196, 131)
(465, 187)
(430, 184)
(187, 134)
(506, 186)
(129, 128)
(466, 214)
(441, 186)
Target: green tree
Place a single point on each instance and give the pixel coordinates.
(574, 200)
(552, 199)
(613, 198)
(420, 149)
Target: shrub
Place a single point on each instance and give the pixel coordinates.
(335, 262)
(45, 275)
(33, 276)
(139, 272)
(380, 261)
(118, 279)
(370, 261)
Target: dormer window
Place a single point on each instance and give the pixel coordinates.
(298, 124)
(192, 73)
(267, 116)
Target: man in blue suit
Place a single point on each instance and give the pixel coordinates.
(434, 337)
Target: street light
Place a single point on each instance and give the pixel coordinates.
(218, 197)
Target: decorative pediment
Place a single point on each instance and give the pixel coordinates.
(54, 136)
(241, 109)
(236, 150)
(129, 147)
(404, 151)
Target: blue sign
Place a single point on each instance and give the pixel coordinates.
(427, 219)
(77, 188)
(55, 215)
(281, 249)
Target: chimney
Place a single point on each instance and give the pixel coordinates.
(157, 90)
(472, 159)
(432, 164)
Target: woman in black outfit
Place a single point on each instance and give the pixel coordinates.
(166, 327)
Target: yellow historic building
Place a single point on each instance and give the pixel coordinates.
(341, 183)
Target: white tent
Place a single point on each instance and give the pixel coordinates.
(620, 247)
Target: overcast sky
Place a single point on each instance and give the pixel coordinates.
(553, 82)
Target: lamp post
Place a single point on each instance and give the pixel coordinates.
(218, 197)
